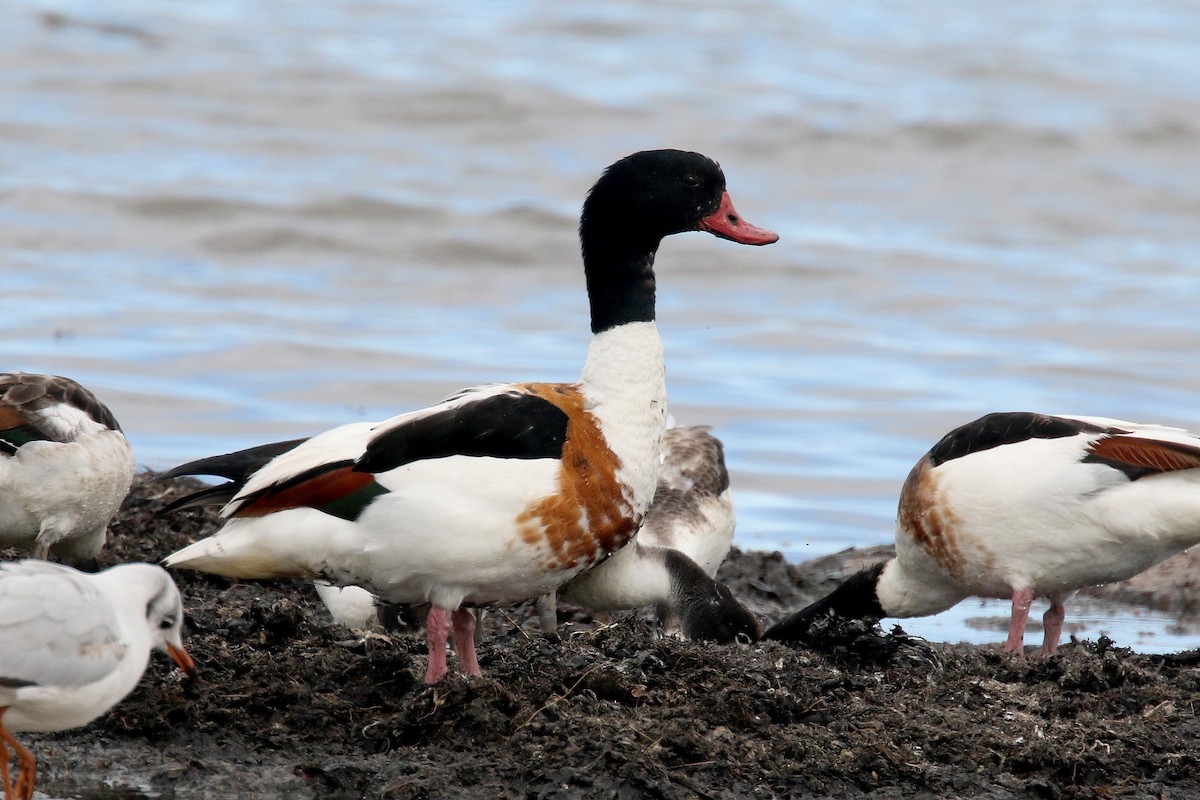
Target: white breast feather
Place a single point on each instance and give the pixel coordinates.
(623, 379)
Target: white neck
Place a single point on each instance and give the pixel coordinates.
(624, 383)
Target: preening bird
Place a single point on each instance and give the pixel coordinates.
(65, 467)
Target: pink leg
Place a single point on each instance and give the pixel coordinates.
(437, 627)
(1021, 600)
(464, 641)
(1052, 622)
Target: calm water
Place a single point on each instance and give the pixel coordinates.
(243, 221)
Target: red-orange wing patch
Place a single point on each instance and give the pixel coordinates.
(335, 489)
(10, 417)
(1145, 454)
(16, 431)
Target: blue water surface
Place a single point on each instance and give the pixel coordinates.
(241, 221)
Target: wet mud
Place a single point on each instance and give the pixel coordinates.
(290, 705)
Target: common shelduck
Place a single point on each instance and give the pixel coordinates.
(1021, 505)
(73, 644)
(502, 492)
(65, 467)
(671, 562)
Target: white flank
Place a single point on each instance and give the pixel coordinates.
(446, 532)
(296, 543)
(1034, 515)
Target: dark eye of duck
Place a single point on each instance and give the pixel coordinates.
(167, 623)
(691, 180)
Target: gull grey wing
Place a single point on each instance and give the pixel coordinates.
(55, 627)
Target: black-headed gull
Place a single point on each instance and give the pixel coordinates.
(73, 644)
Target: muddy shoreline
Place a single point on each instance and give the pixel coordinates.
(292, 706)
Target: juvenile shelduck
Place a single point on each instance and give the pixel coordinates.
(65, 467)
(502, 492)
(671, 562)
(74, 644)
(1027, 505)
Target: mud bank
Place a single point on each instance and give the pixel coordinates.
(291, 706)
